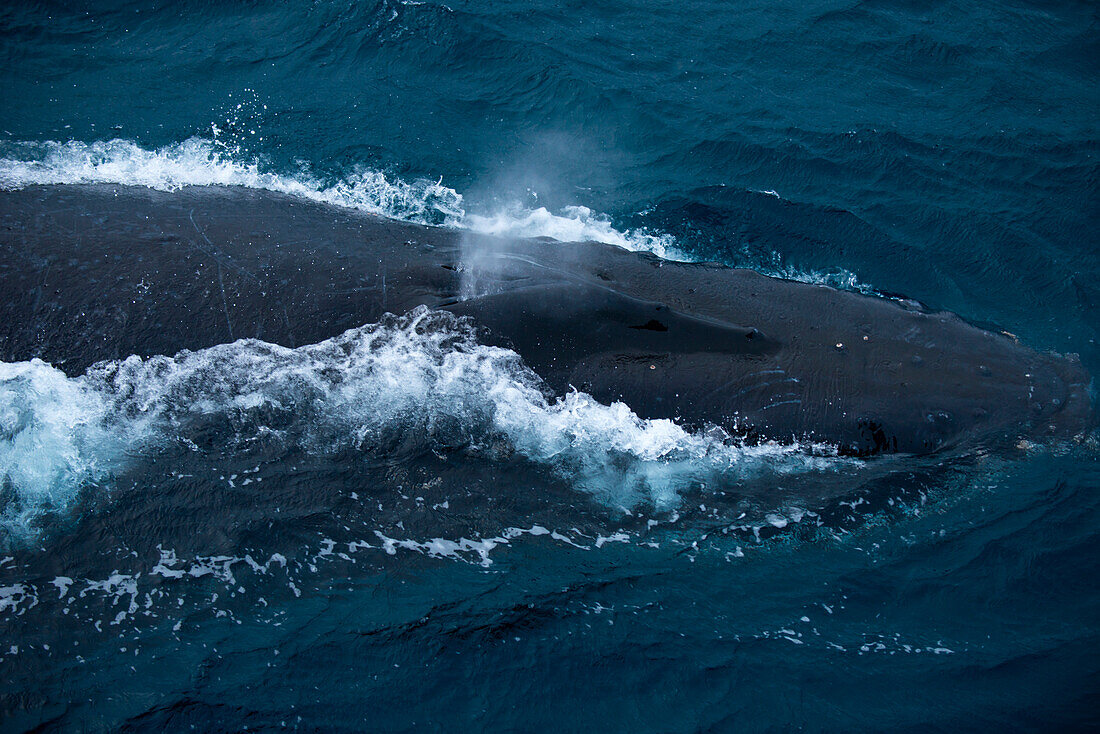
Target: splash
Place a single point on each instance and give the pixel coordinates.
(223, 160)
(202, 162)
(54, 440)
(573, 224)
(214, 162)
(415, 383)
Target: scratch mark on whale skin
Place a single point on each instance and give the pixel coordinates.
(221, 280)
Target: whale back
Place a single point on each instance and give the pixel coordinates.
(98, 272)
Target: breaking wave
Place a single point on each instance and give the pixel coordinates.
(406, 385)
(209, 162)
(203, 162)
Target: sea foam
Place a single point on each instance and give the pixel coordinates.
(205, 162)
(209, 162)
(415, 383)
(54, 440)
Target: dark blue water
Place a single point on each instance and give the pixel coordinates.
(220, 579)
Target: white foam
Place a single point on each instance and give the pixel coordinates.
(572, 224)
(413, 383)
(170, 566)
(53, 440)
(201, 161)
(204, 162)
(62, 583)
(116, 586)
(838, 278)
(465, 549)
(17, 598)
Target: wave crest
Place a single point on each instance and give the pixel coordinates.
(202, 162)
(414, 383)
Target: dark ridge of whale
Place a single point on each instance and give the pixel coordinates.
(97, 272)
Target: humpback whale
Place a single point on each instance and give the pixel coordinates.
(99, 272)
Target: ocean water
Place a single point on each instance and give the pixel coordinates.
(229, 538)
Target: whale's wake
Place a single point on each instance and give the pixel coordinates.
(408, 385)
